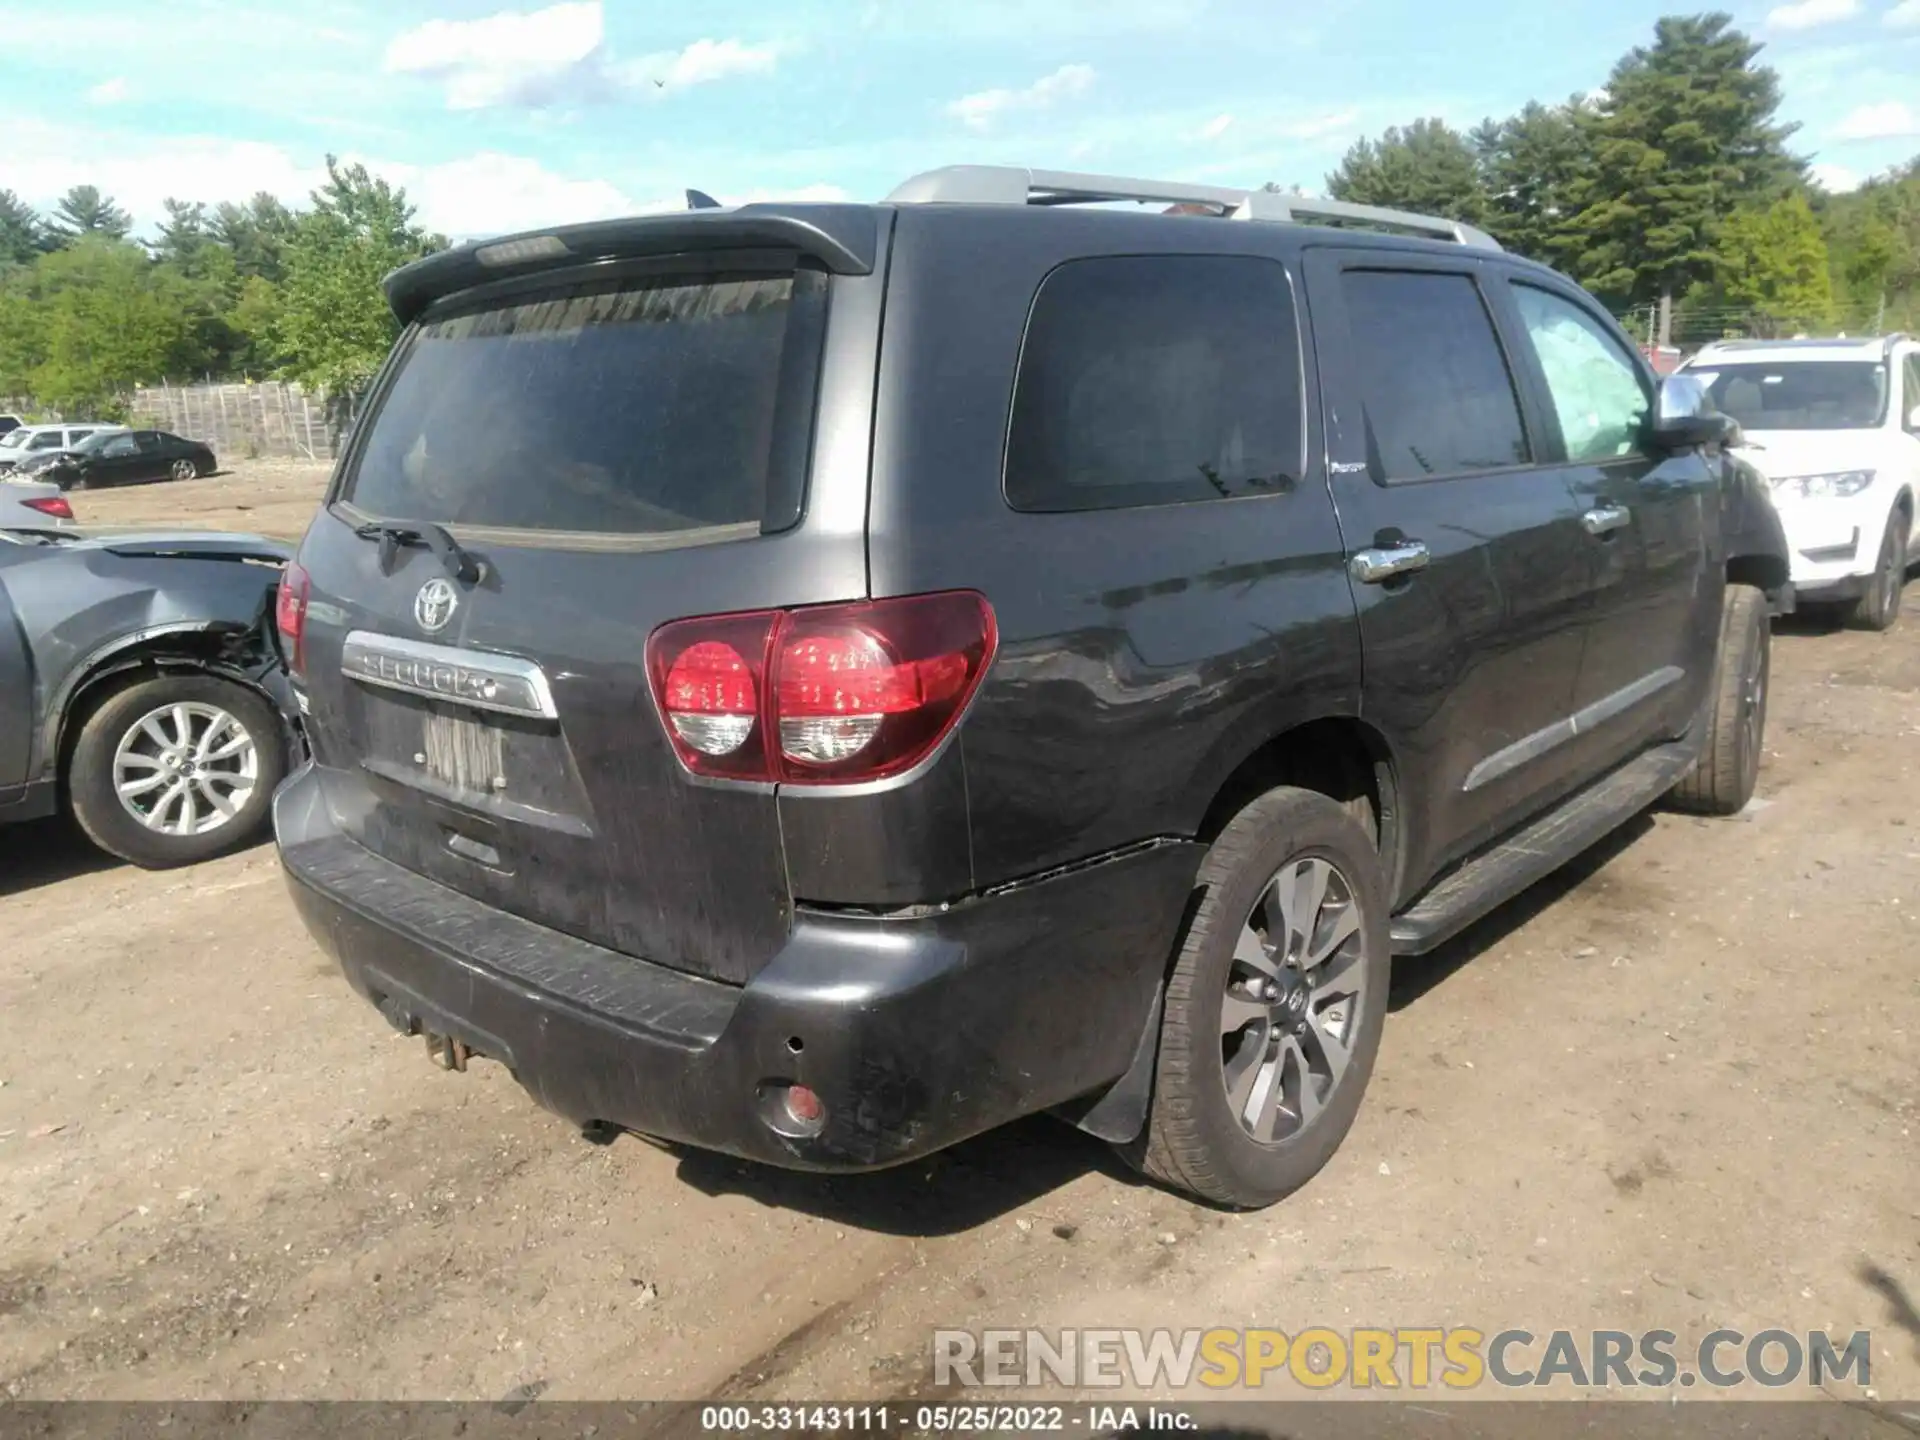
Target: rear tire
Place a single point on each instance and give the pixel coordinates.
(1294, 906)
(120, 748)
(185, 470)
(1723, 778)
(1879, 608)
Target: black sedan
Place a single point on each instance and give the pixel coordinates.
(123, 457)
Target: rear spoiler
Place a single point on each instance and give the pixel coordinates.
(844, 238)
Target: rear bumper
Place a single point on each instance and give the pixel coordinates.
(915, 1030)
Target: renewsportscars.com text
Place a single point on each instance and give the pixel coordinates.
(1457, 1358)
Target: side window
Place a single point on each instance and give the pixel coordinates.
(1597, 391)
(1911, 400)
(1438, 397)
(45, 440)
(148, 442)
(119, 447)
(1154, 379)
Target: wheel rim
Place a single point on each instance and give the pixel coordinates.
(184, 470)
(1295, 998)
(185, 769)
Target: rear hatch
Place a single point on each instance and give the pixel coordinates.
(608, 448)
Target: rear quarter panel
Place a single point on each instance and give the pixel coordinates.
(1144, 653)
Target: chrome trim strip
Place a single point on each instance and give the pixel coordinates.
(1588, 718)
(476, 678)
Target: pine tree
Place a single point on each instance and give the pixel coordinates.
(1530, 164)
(1684, 136)
(22, 236)
(83, 210)
(1428, 168)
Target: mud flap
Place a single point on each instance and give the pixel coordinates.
(1118, 1113)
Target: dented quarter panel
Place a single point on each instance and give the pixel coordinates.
(80, 610)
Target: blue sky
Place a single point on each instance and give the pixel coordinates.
(496, 118)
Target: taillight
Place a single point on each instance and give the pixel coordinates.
(54, 505)
(830, 694)
(290, 614)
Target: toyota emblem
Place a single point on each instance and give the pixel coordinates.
(433, 607)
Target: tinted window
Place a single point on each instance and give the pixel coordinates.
(119, 446)
(1150, 380)
(1438, 397)
(1799, 394)
(647, 407)
(1597, 392)
(148, 441)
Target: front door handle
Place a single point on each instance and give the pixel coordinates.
(1371, 567)
(1605, 519)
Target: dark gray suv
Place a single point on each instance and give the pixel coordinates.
(817, 682)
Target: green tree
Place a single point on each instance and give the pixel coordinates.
(1427, 167)
(104, 318)
(333, 327)
(256, 233)
(1774, 263)
(1530, 164)
(21, 235)
(83, 210)
(1873, 236)
(254, 323)
(1684, 137)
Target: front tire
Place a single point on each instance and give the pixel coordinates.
(176, 768)
(1274, 1008)
(1723, 778)
(1879, 608)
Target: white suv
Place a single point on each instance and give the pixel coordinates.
(1834, 425)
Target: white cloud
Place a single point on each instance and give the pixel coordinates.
(1888, 120)
(538, 58)
(1806, 14)
(489, 193)
(980, 110)
(1904, 16)
(1835, 179)
(479, 194)
(1215, 127)
(108, 92)
(508, 58)
(700, 63)
(1321, 125)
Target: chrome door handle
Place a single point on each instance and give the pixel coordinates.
(1370, 567)
(1606, 519)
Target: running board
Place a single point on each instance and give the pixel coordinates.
(1497, 875)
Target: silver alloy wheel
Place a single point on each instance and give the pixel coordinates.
(185, 768)
(1292, 1007)
(185, 470)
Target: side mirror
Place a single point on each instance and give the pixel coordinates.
(1683, 417)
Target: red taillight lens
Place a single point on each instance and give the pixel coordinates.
(290, 615)
(826, 695)
(54, 505)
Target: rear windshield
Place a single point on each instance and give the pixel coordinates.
(640, 408)
(1802, 395)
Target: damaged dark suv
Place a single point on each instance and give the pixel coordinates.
(817, 682)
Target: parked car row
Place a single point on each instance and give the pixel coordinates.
(76, 457)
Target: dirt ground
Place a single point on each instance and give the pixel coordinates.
(1676, 1087)
(266, 497)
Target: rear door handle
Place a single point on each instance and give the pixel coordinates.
(1605, 519)
(1371, 567)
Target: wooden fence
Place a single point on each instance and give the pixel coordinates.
(244, 422)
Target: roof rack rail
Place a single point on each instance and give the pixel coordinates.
(1016, 185)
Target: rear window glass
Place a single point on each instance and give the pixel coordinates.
(1155, 379)
(640, 408)
(1803, 395)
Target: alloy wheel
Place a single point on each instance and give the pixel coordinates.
(1293, 1001)
(185, 768)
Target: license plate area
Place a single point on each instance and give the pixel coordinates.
(462, 752)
